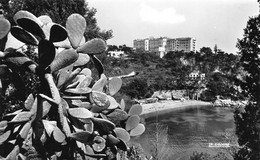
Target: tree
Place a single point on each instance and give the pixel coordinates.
(219, 84)
(137, 88)
(127, 49)
(112, 48)
(174, 54)
(216, 49)
(206, 50)
(248, 122)
(59, 10)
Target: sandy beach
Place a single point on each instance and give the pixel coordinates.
(161, 107)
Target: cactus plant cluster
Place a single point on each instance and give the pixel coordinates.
(71, 114)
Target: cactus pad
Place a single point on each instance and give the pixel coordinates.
(58, 33)
(32, 27)
(94, 46)
(4, 27)
(113, 103)
(100, 99)
(80, 112)
(132, 122)
(138, 130)
(136, 109)
(82, 60)
(81, 136)
(99, 144)
(78, 91)
(24, 36)
(76, 26)
(25, 14)
(4, 136)
(64, 59)
(46, 53)
(117, 115)
(122, 134)
(114, 85)
(45, 19)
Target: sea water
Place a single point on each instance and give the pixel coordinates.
(189, 129)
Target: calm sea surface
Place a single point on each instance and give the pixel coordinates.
(197, 128)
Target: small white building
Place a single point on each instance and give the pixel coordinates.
(196, 75)
(116, 54)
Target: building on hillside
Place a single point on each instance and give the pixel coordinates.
(187, 44)
(163, 45)
(156, 45)
(196, 75)
(117, 54)
(140, 44)
(146, 45)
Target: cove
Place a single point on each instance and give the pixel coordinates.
(192, 128)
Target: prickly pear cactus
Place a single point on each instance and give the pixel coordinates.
(70, 115)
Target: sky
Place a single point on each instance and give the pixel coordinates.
(211, 22)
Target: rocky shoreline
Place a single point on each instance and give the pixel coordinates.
(229, 103)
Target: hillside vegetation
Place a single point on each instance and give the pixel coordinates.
(222, 71)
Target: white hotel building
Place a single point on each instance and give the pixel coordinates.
(163, 45)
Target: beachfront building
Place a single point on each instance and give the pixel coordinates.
(162, 45)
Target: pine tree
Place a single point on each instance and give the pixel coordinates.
(248, 121)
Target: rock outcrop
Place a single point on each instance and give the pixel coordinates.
(229, 103)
